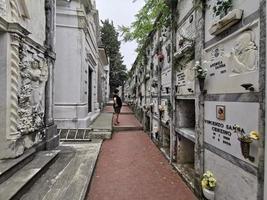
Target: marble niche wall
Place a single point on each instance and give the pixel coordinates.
(231, 56)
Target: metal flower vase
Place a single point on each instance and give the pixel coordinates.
(245, 148)
(201, 82)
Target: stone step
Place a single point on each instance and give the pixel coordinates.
(127, 128)
(110, 103)
(10, 166)
(103, 122)
(15, 186)
(104, 135)
(69, 176)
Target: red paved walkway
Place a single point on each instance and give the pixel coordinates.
(124, 109)
(128, 120)
(130, 167)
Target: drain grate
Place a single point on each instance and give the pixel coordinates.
(75, 134)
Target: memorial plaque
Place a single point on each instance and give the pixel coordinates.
(185, 80)
(166, 81)
(232, 64)
(185, 36)
(166, 50)
(220, 121)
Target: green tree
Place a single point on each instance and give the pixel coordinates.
(153, 15)
(109, 37)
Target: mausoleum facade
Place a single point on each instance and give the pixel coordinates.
(26, 76)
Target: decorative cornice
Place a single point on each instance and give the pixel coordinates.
(13, 27)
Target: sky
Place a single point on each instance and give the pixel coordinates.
(121, 12)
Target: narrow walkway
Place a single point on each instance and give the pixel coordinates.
(130, 167)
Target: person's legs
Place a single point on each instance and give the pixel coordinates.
(117, 111)
(115, 118)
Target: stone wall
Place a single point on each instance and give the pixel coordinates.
(204, 116)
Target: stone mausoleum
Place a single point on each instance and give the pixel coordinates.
(27, 60)
(81, 73)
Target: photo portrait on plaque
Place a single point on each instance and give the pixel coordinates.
(220, 112)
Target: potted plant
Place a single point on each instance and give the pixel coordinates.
(201, 74)
(208, 183)
(245, 140)
(222, 7)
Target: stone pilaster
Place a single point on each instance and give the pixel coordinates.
(52, 137)
(199, 137)
(262, 112)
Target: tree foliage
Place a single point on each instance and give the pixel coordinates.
(109, 37)
(153, 15)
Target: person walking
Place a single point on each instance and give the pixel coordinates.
(117, 104)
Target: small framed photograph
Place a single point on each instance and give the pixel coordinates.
(220, 112)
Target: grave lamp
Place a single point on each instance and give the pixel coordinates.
(190, 90)
(248, 86)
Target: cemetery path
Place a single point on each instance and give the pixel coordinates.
(130, 167)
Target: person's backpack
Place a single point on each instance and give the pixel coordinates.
(119, 102)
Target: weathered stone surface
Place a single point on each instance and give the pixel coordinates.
(10, 166)
(12, 187)
(68, 178)
(227, 21)
(238, 183)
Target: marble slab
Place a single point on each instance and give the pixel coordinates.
(185, 35)
(233, 183)
(185, 80)
(218, 126)
(166, 77)
(233, 62)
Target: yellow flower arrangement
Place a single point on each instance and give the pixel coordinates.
(208, 181)
(161, 108)
(243, 137)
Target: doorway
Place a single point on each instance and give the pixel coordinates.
(90, 76)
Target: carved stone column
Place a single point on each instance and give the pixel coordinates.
(10, 144)
(13, 81)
